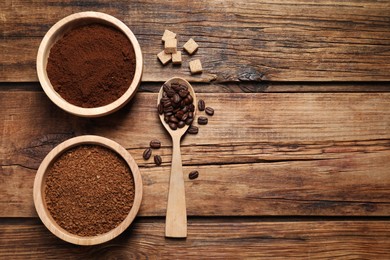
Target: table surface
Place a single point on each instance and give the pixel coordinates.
(294, 163)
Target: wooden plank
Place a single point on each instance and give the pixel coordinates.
(260, 154)
(242, 87)
(239, 40)
(211, 238)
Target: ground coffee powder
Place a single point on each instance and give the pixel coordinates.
(92, 65)
(89, 190)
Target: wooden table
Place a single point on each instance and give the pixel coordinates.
(295, 163)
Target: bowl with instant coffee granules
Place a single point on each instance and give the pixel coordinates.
(87, 190)
(89, 64)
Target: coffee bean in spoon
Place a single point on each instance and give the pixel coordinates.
(177, 105)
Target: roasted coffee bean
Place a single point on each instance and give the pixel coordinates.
(176, 98)
(181, 124)
(164, 99)
(166, 119)
(166, 87)
(167, 104)
(168, 109)
(189, 121)
(182, 103)
(184, 109)
(160, 108)
(155, 144)
(183, 86)
(190, 98)
(193, 175)
(201, 105)
(168, 113)
(173, 119)
(176, 110)
(209, 111)
(190, 114)
(193, 130)
(179, 114)
(173, 126)
(187, 101)
(183, 93)
(202, 120)
(191, 107)
(147, 153)
(175, 86)
(164, 94)
(157, 159)
(184, 117)
(170, 93)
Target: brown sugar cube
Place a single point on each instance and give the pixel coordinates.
(164, 57)
(176, 58)
(168, 35)
(170, 46)
(195, 66)
(190, 46)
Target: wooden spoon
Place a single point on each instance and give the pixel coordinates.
(176, 219)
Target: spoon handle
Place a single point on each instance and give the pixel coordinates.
(176, 219)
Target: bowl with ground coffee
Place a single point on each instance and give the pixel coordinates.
(89, 64)
(87, 190)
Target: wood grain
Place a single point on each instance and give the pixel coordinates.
(239, 40)
(211, 238)
(261, 154)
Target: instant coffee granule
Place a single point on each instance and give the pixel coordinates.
(91, 65)
(89, 190)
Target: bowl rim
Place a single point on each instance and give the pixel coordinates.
(48, 41)
(45, 216)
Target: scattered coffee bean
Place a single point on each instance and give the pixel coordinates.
(155, 144)
(193, 175)
(201, 105)
(202, 120)
(209, 111)
(157, 159)
(193, 130)
(147, 153)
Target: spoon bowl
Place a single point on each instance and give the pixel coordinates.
(176, 218)
(179, 131)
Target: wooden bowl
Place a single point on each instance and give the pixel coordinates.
(56, 32)
(39, 190)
